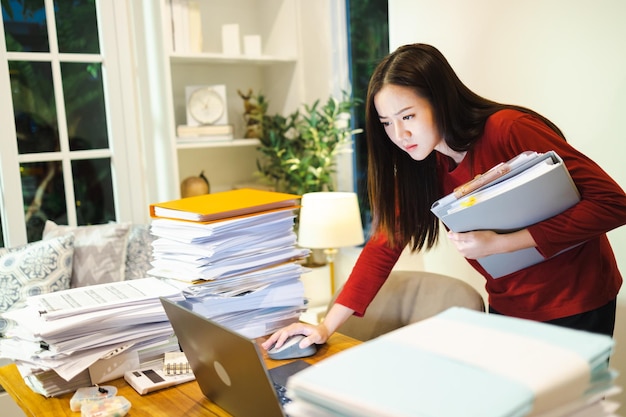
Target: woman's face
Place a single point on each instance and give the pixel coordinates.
(408, 121)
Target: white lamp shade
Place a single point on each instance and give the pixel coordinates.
(329, 220)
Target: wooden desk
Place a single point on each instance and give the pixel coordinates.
(181, 400)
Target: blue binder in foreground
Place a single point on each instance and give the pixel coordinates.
(462, 363)
(533, 187)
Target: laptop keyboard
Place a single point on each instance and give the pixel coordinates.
(279, 376)
(281, 391)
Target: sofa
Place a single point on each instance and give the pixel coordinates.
(408, 297)
(70, 257)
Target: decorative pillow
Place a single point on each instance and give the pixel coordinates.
(36, 268)
(139, 252)
(99, 251)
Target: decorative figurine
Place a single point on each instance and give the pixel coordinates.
(254, 107)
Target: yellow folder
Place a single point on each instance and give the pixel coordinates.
(224, 205)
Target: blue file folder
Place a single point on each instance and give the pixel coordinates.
(537, 187)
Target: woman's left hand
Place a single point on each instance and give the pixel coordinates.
(475, 245)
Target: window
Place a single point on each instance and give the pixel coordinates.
(59, 157)
(368, 27)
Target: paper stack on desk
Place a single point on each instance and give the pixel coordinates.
(61, 335)
(241, 266)
(463, 363)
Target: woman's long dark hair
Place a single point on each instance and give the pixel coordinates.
(402, 190)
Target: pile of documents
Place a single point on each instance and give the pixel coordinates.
(464, 363)
(230, 256)
(236, 254)
(77, 337)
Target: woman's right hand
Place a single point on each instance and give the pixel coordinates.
(318, 334)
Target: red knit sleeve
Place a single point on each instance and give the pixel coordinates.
(603, 203)
(369, 273)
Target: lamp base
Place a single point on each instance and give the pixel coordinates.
(330, 258)
(316, 259)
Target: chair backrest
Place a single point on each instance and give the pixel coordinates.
(408, 297)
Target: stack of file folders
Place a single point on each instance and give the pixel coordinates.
(82, 336)
(236, 253)
(499, 200)
(463, 363)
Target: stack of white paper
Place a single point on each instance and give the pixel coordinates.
(241, 272)
(61, 335)
(464, 363)
(192, 251)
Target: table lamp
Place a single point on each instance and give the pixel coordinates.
(330, 220)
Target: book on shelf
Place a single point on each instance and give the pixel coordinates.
(186, 131)
(186, 26)
(224, 205)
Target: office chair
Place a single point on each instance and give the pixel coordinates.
(408, 297)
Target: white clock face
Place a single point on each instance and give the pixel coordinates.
(205, 106)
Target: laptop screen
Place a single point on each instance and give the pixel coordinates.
(229, 367)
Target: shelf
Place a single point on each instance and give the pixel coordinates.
(275, 72)
(217, 144)
(215, 58)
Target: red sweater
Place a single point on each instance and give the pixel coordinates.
(578, 280)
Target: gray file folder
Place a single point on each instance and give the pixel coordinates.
(536, 187)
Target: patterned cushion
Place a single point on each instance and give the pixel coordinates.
(138, 252)
(99, 251)
(36, 268)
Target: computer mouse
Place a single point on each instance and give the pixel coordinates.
(291, 349)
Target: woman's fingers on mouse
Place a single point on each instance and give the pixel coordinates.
(280, 336)
(306, 342)
(269, 342)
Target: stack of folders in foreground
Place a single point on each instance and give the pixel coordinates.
(74, 338)
(463, 363)
(236, 254)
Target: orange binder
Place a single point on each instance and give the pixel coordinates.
(224, 205)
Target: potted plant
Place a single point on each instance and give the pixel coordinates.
(299, 150)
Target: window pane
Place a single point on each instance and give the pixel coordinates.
(84, 105)
(93, 188)
(77, 26)
(369, 40)
(44, 196)
(33, 104)
(25, 27)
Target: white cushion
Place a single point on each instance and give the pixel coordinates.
(138, 252)
(99, 254)
(36, 268)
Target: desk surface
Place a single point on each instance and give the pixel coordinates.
(181, 400)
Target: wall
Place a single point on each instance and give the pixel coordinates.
(564, 58)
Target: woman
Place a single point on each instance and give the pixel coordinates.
(427, 133)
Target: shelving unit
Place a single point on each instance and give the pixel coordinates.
(218, 58)
(275, 73)
(216, 144)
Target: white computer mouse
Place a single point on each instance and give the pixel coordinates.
(291, 349)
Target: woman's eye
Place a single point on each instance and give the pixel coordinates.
(407, 117)
(385, 124)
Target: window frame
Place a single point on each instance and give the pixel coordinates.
(116, 57)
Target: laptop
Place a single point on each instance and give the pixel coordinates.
(229, 367)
